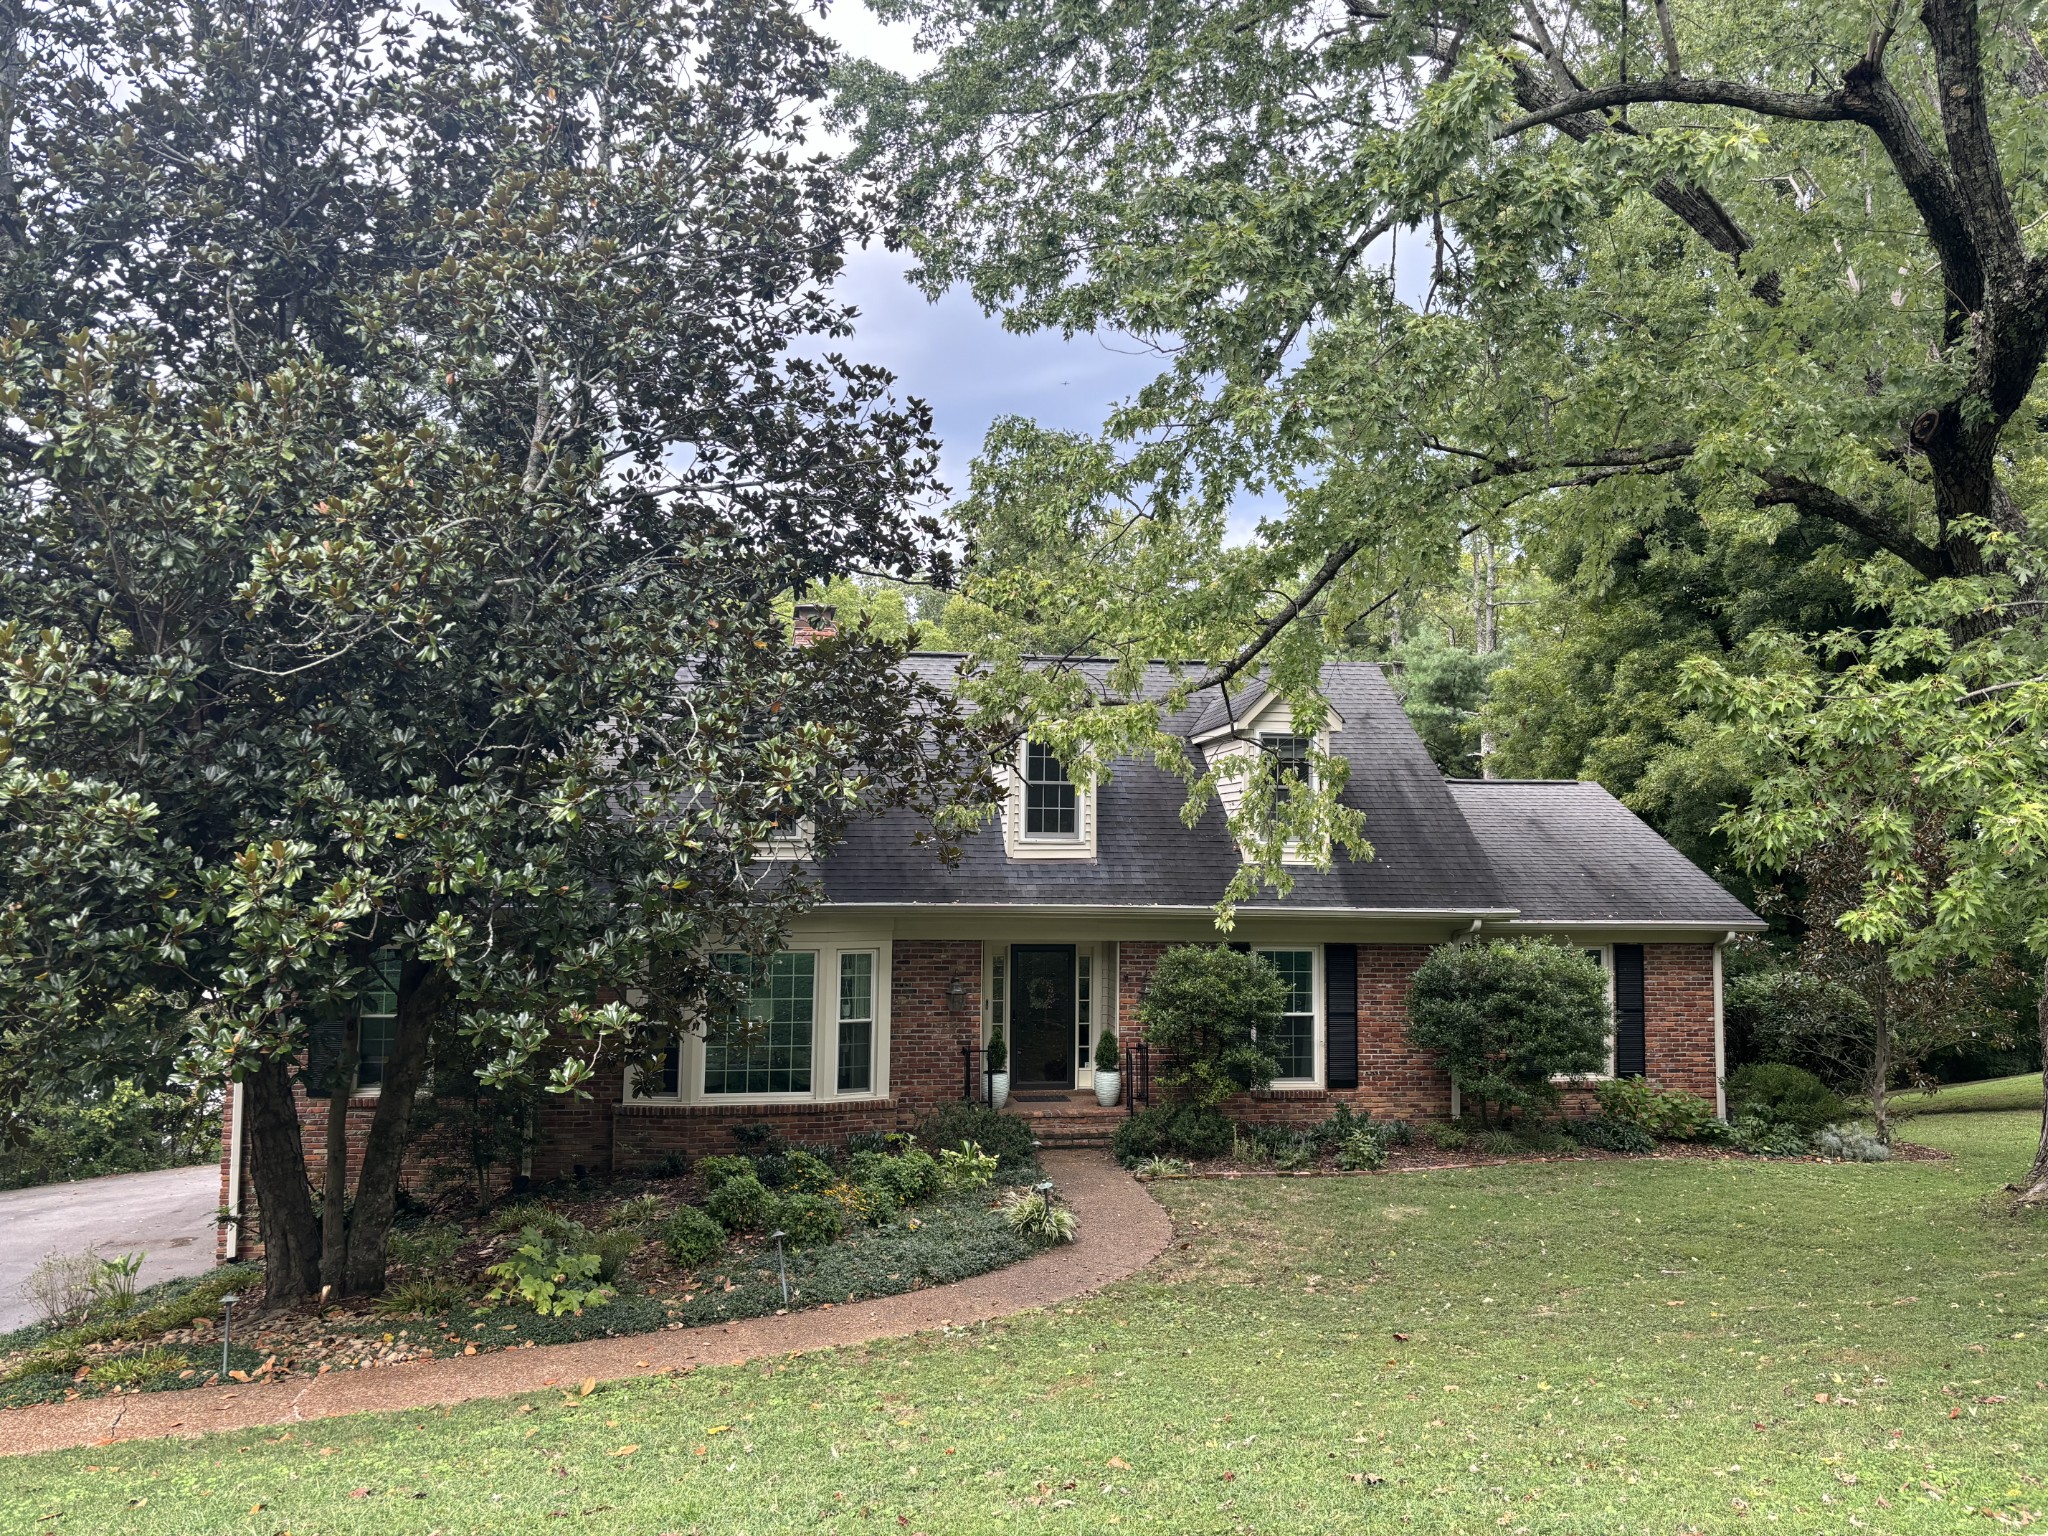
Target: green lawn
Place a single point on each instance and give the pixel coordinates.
(2022, 1092)
(1662, 1346)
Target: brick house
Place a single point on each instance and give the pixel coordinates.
(1052, 923)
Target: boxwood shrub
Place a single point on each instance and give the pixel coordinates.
(741, 1204)
(1192, 1131)
(692, 1237)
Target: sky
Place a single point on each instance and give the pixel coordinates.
(959, 360)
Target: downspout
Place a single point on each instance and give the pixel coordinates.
(233, 1247)
(1720, 1035)
(1457, 1098)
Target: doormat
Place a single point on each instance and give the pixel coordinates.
(1042, 1098)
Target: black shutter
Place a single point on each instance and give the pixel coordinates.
(1340, 1015)
(1629, 1051)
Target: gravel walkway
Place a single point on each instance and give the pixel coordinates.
(1122, 1230)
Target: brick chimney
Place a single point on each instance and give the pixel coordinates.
(815, 621)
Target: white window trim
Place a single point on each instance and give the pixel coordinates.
(824, 1087)
(1022, 845)
(1318, 1046)
(795, 842)
(1606, 952)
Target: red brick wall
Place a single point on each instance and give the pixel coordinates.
(1678, 1017)
(1394, 1078)
(926, 1031)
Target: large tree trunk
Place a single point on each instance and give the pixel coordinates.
(2035, 1190)
(334, 1191)
(277, 1166)
(423, 992)
(1881, 1061)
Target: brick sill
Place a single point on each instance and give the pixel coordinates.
(669, 1109)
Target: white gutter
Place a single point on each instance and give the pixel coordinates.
(234, 1200)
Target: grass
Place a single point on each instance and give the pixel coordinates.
(1993, 1093)
(1647, 1346)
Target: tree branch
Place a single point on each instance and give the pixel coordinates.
(1831, 506)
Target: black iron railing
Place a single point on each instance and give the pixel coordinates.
(1137, 1076)
(974, 1075)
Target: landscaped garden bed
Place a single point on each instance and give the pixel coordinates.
(1777, 1117)
(884, 1216)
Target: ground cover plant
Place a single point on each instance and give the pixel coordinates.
(1708, 1345)
(595, 1262)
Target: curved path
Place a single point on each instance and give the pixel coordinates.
(1122, 1230)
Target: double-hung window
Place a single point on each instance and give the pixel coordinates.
(377, 1019)
(765, 1045)
(1296, 1045)
(856, 1021)
(1290, 764)
(1052, 804)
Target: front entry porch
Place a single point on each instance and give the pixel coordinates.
(1066, 1117)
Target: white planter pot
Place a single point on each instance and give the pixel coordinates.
(999, 1089)
(1107, 1086)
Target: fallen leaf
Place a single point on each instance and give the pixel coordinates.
(1119, 1463)
(625, 1450)
(1401, 1338)
(589, 1385)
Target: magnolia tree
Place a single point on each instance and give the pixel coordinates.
(412, 420)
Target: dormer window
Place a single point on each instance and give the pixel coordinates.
(1048, 815)
(1290, 763)
(1052, 805)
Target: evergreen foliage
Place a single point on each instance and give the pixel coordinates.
(1506, 1016)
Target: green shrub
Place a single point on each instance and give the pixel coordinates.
(140, 1369)
(1507, 1017)
(425, 1296)
(1192, 1131)
(1495, 1142)
(1448, 1138)
(1362, 1149)
(811, 1220)
(714, 1171)
(1008, 1137)
(801, 1169)
(1210, 1015)
(1605, 1135)
(878, 1141)
(692, 1238)
(1668, 1116)
(613, 1248)
(1035, 1216)
(998, 1050)
(1343, 1122)
(1765, 1138)
(1108, 1053)
(741, 1204)
(1781, 1095)
(1547, 1139)
(548, 1278)
(967, 1168)
(1399, 1133)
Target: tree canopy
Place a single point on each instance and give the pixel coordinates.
(413, 421)
(1564, 276)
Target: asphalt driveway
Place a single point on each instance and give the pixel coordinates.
(167, 1215)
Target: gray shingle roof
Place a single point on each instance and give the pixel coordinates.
(1567, 852)
(1428, 856)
